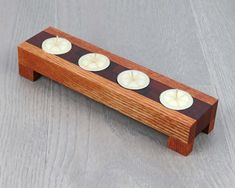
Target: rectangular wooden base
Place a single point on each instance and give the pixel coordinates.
(143, 105)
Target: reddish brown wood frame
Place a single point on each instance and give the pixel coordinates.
(143, 105)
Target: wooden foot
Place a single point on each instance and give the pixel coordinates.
(209, 128)
(179, 146)
(28, 73)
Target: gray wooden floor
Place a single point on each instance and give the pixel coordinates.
(52, 137)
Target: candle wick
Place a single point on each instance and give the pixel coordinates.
(57, 40)
(94, 60)
(132, 75)
(176, 94)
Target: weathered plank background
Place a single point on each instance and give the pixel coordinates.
(52, 137)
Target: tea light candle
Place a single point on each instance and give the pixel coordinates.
(94, 62)
(176, 99)
(56, 45)
(133, 79)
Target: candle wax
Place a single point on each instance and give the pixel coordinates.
(176, 99)
(94, 62)
(133, 79)
(56, 45)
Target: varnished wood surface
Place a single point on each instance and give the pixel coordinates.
(51, 136)
(202, 102)
(103, 87)
(172, 123)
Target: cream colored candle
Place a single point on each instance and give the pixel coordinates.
(176, 99)
(94, 62)
(56, 45)
(133, 79)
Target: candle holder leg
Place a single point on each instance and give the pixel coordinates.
(210, 127)
(28, 73)
(179, 146)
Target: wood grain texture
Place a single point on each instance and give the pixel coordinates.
(180, 126)
(119, 64)
(169, 122)
(52, 137)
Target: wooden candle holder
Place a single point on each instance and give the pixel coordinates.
(142, 105)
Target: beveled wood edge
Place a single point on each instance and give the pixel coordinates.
(181, 119)
(131, 65)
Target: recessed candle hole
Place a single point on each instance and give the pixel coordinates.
(133, 79)
(56, 45)
(176, 99)
(94, 62)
